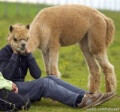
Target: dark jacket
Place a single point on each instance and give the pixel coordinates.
(14, 67)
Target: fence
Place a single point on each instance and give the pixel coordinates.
(113, 5)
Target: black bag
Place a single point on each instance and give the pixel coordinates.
(10, 101)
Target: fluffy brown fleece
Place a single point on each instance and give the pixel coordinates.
(66, 25)
(18, 37)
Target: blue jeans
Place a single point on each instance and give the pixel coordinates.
(50, 87)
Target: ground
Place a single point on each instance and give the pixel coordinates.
(73, 71)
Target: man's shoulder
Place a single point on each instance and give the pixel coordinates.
(6, 50)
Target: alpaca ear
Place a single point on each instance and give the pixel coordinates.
(11, 28)
(28, 26)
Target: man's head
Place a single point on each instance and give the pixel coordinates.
(18, 37)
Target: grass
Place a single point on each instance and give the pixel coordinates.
(73, 71)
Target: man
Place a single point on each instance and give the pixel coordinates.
(16, 59)
(14, 67)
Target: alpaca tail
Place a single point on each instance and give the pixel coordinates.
(110, 31)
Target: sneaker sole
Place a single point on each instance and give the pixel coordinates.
(102, 101)
(88, 106)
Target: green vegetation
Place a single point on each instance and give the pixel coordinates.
(71, 61)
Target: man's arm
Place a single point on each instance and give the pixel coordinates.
(8, 66)
(33, 66)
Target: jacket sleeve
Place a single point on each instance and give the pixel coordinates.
(33, 66)
(8, 66)
(5, 84)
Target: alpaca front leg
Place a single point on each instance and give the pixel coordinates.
(46, 57)
(53, 63)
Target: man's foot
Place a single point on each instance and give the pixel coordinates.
(106, 97)
(89, 100)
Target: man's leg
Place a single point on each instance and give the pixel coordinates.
(67, 85)
(45, 87)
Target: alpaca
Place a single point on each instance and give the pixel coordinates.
(66, 25)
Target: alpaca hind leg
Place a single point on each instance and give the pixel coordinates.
(108, 70)
(94, 77)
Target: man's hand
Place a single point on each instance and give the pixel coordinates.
(14, 88)
(28, 49)
(14, 50)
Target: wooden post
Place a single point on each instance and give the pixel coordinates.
(17, 8)
(28, 8)
(5, 9)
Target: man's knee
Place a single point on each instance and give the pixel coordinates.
(43, 82)
(48, 83)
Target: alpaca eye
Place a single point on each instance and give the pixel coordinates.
(15, 39)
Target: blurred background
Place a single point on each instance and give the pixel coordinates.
(71, 60)
(113, 5)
